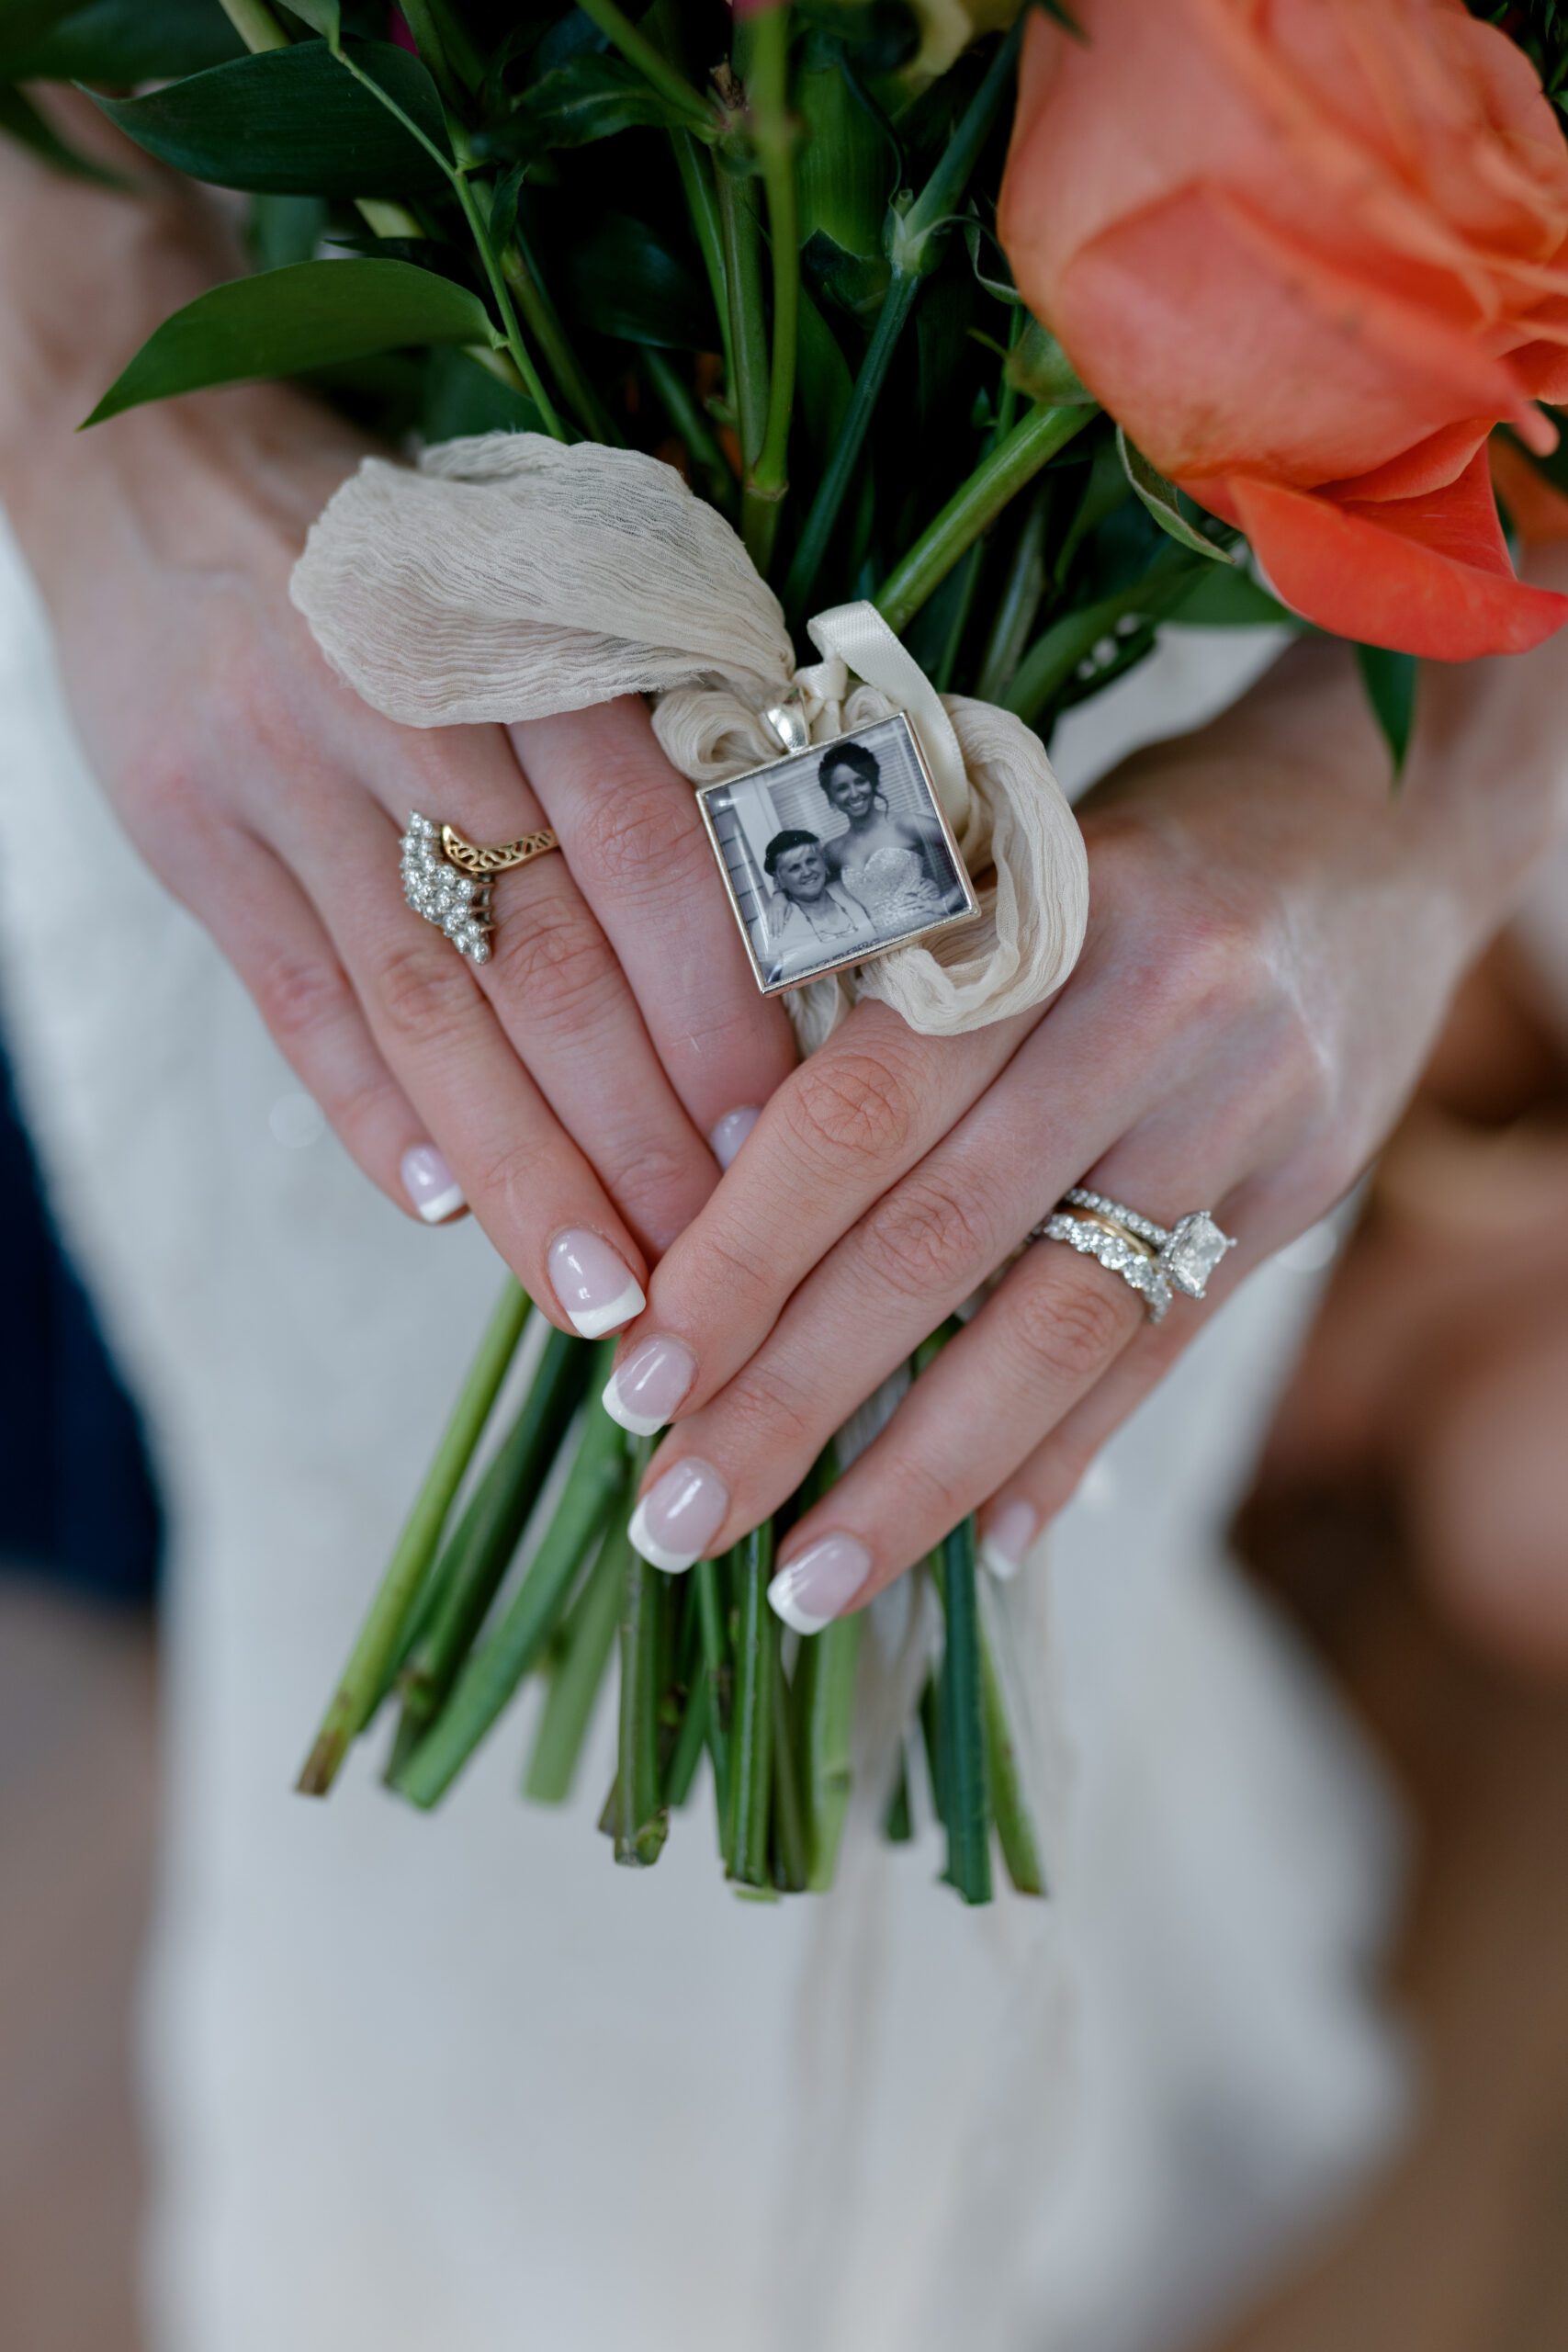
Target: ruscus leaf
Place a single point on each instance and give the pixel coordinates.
(1390, 682)
(1161, 499)
(313, 314)
(124, 42)
(294, 122)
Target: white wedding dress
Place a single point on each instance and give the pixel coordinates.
(455, 2083)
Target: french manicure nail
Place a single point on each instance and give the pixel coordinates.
(817, 1586)
(645, 1392)
(678, 1519)
(430, 1184)
(1008, 1538)
(730, 1133)
(594, 1282)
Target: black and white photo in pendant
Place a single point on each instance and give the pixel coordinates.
(835, 855)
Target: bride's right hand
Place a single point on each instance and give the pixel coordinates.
(576, 1089)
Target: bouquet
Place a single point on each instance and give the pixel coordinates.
(1040, 329)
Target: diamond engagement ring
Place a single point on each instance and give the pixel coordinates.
(447, 879)
(1152, 1259)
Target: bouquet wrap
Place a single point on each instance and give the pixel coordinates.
(510, 577)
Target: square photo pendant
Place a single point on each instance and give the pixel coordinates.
(836, 853)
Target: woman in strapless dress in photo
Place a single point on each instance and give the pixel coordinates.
(896, 866)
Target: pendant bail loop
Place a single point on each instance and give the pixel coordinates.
(788, 722)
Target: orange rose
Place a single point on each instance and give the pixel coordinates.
(1309, 251)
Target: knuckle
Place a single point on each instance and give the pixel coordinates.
(300, 996)
(851, 1108)
(425, 993)
(773, 1418)
(933, 1494)
(552, 957)
(1067, 1329)
(637, 833)
(925, 1237)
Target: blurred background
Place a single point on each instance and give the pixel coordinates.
(1409, 1516)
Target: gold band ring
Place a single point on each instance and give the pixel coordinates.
(447, 879)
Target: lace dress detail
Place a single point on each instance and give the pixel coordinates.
(896, 888)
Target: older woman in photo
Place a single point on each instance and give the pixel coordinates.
(811, 917)
(896, 866)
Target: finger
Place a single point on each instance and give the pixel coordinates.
(847, 1126)
(633, 837)
(525, 1178)
(555, 983)
(1025, 1504)
(1056, 1331)
(269, 932)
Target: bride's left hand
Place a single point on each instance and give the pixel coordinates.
(1273, 938)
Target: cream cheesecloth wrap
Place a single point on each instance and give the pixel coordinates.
(507, 577)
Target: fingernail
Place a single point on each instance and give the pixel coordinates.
(819, 1584)
(594, 1283)
(678, 1519)
(1006, 1539)
(646, 1391)
(430, 1184)
(731, 1134)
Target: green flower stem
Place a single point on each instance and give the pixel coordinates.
(596, 1485)
(752, 1743)
(962, 1722)
(444, 46)
(544, 323)
(914, 251)
(765, 68)
(478, 229)
(897, 1823)
(1019, 603)
(748, 331)
(696, 167)
(470, 1569)
(789, 1841)
(830, 1661)
(1015, 1825)
(380, 1636)
(1010, 468)
(690, 1742)
(641, 1817)
(1051, 660)
(692, 427)
(256, 24)
(652, 65)
(715, 1673)
(588, 1637)
(843, 465)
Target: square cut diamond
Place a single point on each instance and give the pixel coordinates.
(1195, 1250)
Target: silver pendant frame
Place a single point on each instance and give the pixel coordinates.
(791, 759)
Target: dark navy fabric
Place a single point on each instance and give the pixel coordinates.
(77, 1501)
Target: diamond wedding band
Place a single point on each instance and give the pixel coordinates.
(1153, 1260)
(447, 879)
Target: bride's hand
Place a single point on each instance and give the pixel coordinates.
(1273, 937)
(569, 1088)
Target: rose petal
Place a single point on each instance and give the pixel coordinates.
(1358, 576)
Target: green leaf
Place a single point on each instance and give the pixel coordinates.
(123, 41)
(461, 397)
(1163, 502)
(20, 121)
(324, 16)
(591, 97)
(287, 229)
(1232, 599)
(1390, 681)
(287, 321)
(1039, 367)
(294, 122)
(626, 281)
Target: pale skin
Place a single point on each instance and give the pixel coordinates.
(1273, 940)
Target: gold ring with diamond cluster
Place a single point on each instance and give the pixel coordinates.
(447, 879)
(1152, 1259)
